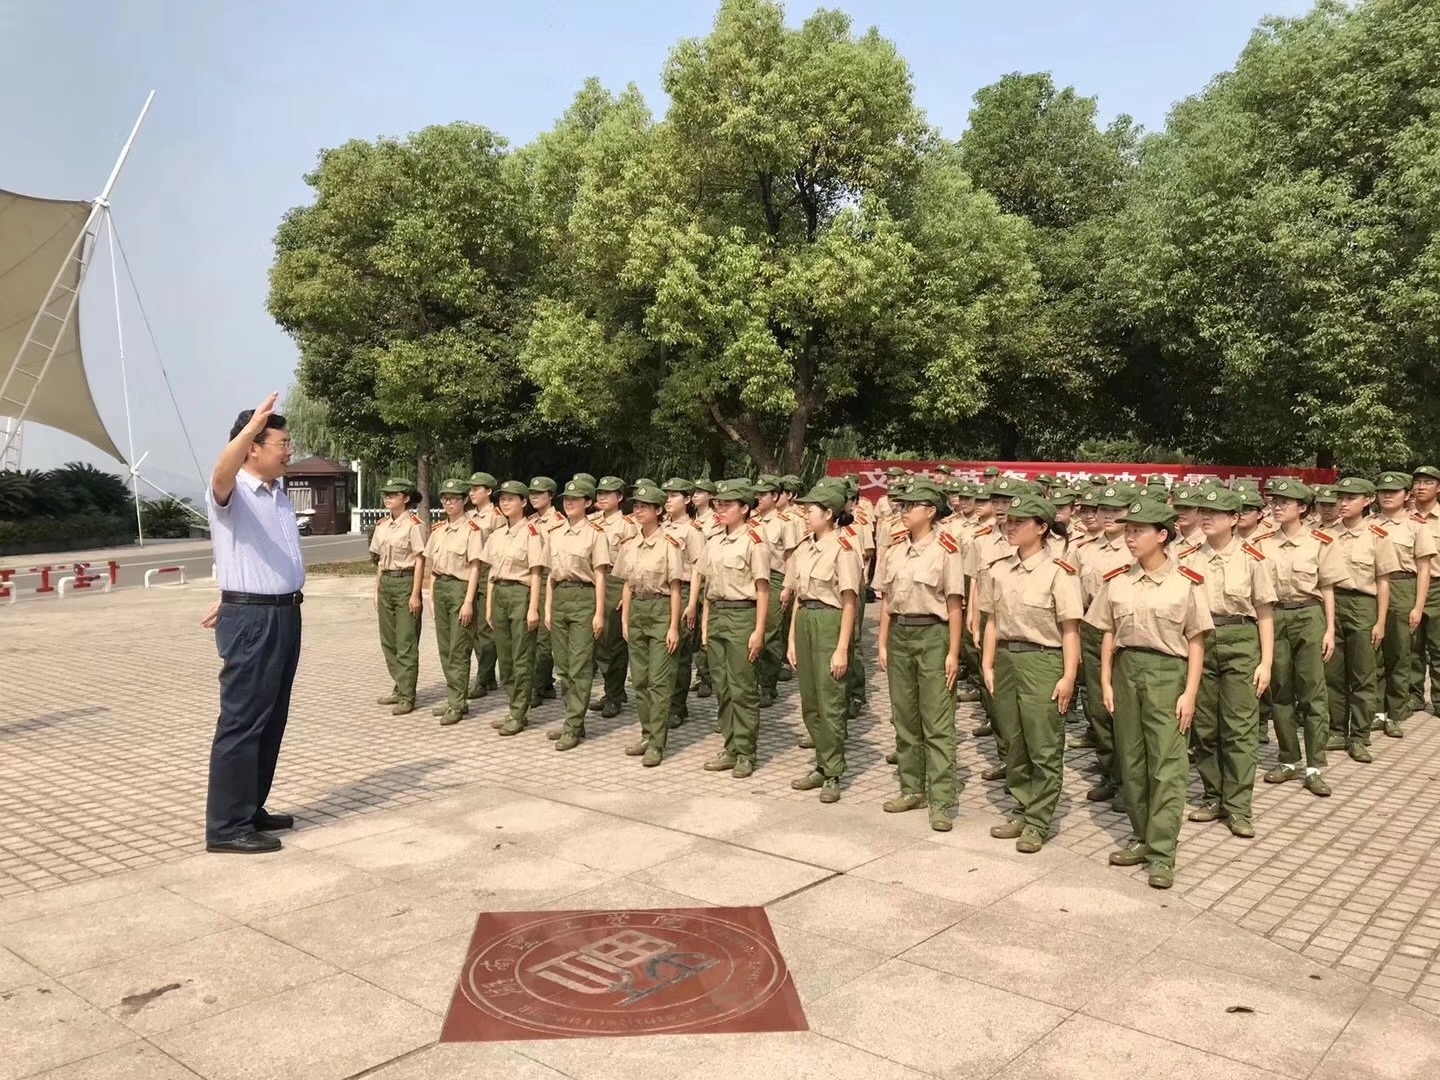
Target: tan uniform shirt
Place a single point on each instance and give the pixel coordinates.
(1058, 547)
(1160, 611)
(489, 519)
(734, 562)
(1364, 554)
(1097, 558)
(577, 551)
(1236, 579)
(918, 578)
(692, 543)
(453, 547)
(398, 541)
(618, 528)
(1410, 538)
(513, 549)
(988, 548)
(650, 563)
(825, 569)
(1029, 599)
(1300, 565)
(862, 539)
(1429, 522)
(706, 520)
(548, 521)
(778, 532)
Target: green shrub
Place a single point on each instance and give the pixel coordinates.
(38, 534)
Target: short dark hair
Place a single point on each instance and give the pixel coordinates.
(274, 422)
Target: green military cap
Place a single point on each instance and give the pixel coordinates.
(544, 483)
(1430, 472)
(1393, 481)
(649, 494)
(1114, 496)
(455, 487)
(706, 485)
(791, 482)
(645, 481)
(1249, 498)
(1188, 496)
(1029, 505)
(894, 471)
(1100, 480)
(951, 486)
(1046, 478)
(1354, 485)
(482, 479)
(944, 470)
(586, 477)
(1218, 498)
(921, 489)
(1287, 488)
(992, 470)
(984, 492)
(579, 489)
(1087, 496)
(610, 483)
(830, 496)
(766, 483)
(678, 483)
(514, 487)
(1009, 487)
(1155, 478)
(853, 477)
(1064, 497)
(1146, 511)
(969, 490)
(737, 490)
(1324, 493)
(397, 483)
(897, 484)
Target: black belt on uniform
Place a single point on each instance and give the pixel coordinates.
(1406, 575)
(291, 599)
(649, 595)
(502, 582)
(450, 577)
(813, 604)
(574, 584)
(1151, 652)
(919, 620)
(1296, 605)
(732, 603)
(1232, 620)
(1027, 646)
(1352, 592)
(398, 573)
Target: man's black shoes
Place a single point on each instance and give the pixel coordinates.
(268, 822)
(249, 844)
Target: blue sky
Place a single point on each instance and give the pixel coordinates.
(248, 93)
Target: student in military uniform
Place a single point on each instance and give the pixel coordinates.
(453, 555)
(678, 522)
(1030, 661)
(1425, 490)
(547, 518)
(989, 548)
(1186, 504)
(789, 488)
(612, 654)
(923, 583)
(700, 499)
(1154, 618)
(574, 607)
(825, 576)
(1301, 564)
(1366, 559)
(982, 532)
(653, 566)
(398, 544)
(518, 558)
(1239, 659)
(488, 517)
(736, 573)
(1415, 551)
(781, 538)
(1252, 509)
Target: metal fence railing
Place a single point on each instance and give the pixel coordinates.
(368, 519)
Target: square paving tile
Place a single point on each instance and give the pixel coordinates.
(45, 1025)
(15, 972)
(424, 976)
(615, 845)
(820, 965)
(569, 974)
(868, 914)
(1103, 901)
(802, 1056)
(454, 1061)
(250, 889)
(137, 1061)
(368, 926)
(1385, 1040)
(721, 874)
(839, 837)
(963, 875)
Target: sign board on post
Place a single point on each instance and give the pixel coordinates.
(873, 479)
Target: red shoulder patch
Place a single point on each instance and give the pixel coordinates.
(1261, 536)
(1196, 577)
(948, 543)
(474, 525)
(1323, 537)
(1117, 572)
(845, 544)
(696, 525)
(1252, 551)
(755, 535)
(415, 517)
(1066, 566)
(1188, 551)
(1082, 543)
(672, 539)
(1378, 531)
(630, 518)
(986, 531)
(849, 530)
(1418, 517)
(533, 530)
(597, 526)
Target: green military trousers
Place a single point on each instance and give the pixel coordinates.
(1154, 766)
(737, 698)
(822, 696)
(922, 709)
(400, 633)
(544, 679)
(455, 640)
(970, 649)
(611, 652)
(855, 673)
(572, 647)
(1398, 653)
(987, 701)
(1427, 648)
(1035, 750)
(767, 666)
(1225, 735)
(1297, 689)
(652, 667)
(680, 694)
(1102, 724)
(515, 647)
(1351, 678)
(482, 640)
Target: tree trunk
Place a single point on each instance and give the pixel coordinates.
(1325, 458)
(422, 481)
(1009, 441)
(793, 459)
(715, 455)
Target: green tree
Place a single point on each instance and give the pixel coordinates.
(307, 420)
(404, 284)
(1279, 264)
(789, 246)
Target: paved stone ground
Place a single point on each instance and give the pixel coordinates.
(110, 704)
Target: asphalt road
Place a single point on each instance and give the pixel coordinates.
(193, 555)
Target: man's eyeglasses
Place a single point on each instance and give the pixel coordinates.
(284, 444)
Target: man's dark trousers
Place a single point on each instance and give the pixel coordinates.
(260, 646)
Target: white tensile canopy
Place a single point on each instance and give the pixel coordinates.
(37, 237)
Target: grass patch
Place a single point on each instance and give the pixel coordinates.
(351, 568)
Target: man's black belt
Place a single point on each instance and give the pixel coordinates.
(918, 620)
(813, 604)
(290, 599)
(1027, 646)
(1232, 620)
(732, 603)
(1406, 575)
(450, 577)
(502, 582)
(398, 573)
(574, 584)
(1296, 605)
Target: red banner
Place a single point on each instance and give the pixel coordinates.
(873, 479)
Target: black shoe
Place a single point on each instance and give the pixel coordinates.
(250, 844)
(268, 822)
